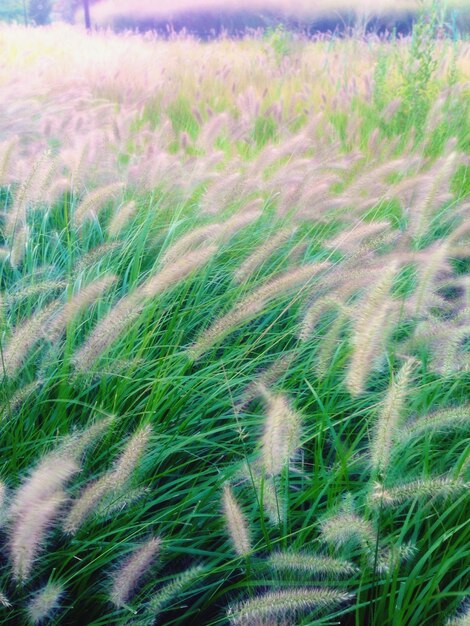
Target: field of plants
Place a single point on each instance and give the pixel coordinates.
(234, 330)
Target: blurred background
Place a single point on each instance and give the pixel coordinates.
(207, 18)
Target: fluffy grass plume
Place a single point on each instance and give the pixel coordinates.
(175, 271)
(237, 525)
(386, 560)
(29, 530)
(128, 309)
(281, 436)
(78, 443)
(285, 603)
(111, 481)
(311, 564)
(34, 508)
(186, 243)
(81, 301)
(344, 528)
(87, 501)
(253, 305)
(121, 218)
(45, 602)
(388, 419)
(261, 254)
(128, 461)
(370, 330)
(94, 201)
(16, 401)
(170, 591)
(4, 600)
(23, 339)
(108, 330)
(438, 488)
(313, 313)
(127, 576)
(32, 186)
(442, 422)
(462, 619)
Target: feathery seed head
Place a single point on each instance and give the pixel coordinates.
(345, 528)
(175, 271)
(266, 378)
(388, 559)
(48, 477)
(95, 255)
(107, 330)
(371, 328)
(110, 482)
(314, 312)
(286, 603)
(34, 507)
(270, 497)
(261, 254)
(311, 564)
(281, 436)
(253, 304)
(438, 422)
(237, 525)
(129, 459)
(236, 223)
(93, 202)
(45, 602)
(116, 502)
(172, 589)
(23, 338)
(389, 418)
(127, 577)
(4, 601)
(78, 443)
(350, 240)
(28, 532)
(79, 302)
(194, 238)
(87, 501)
(16, 401)
(436, 488)
(462, 619)
(121, 218)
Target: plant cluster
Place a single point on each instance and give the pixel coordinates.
(234, 333)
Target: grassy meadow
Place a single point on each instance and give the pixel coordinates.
(234, 323)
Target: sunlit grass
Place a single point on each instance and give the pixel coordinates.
(201, 427)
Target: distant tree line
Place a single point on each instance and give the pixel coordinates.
(11, 10)
(208, 24)
(40, 12)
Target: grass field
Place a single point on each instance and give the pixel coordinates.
(235, 311)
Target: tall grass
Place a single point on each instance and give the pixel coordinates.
(234, 331)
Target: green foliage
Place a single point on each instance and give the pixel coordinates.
(264, 131)
(380, 95)
(11, 10)
(182, 117)
(420, 66)
(280, 40)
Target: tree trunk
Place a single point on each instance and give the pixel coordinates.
(86, 12)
